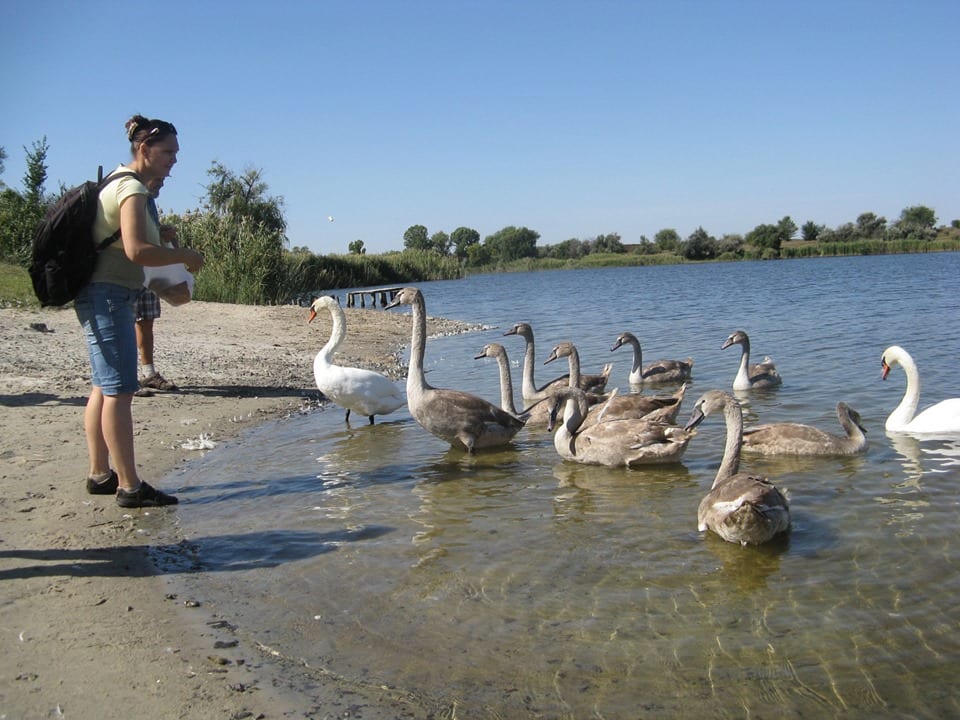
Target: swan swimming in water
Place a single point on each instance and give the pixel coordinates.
(944, 417)
(661, 408)
(629, 442)
(463, 420)
(740, 507)
(758, 375)
(363, 391)
(795, 439)
(661, 371)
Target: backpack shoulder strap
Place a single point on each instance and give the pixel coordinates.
(102, 182)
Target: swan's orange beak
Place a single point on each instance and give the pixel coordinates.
(886, 369)
(313, 314)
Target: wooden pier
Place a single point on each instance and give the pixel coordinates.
(385, 294)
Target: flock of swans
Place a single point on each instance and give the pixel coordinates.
(593, 426)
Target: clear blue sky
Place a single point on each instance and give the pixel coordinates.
(570, 118)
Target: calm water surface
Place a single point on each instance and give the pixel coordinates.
(511, 584)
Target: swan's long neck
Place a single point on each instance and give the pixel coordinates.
(907, 408)
(637, 368)
(730, 465)
(573, 360)
(529, 387)
(506, 384)
(574, 410)
(742, 381)
(337, 333)
(416, 381)
(853, 432)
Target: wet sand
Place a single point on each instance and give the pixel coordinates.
(87, 628)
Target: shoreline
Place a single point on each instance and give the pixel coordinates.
(84, 614)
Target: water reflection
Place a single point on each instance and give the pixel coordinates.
(553, 589)
(747, 568)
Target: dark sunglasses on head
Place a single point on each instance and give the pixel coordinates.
(165, 127)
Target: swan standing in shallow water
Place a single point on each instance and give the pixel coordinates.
(740, 507)
(758, 375)
(463, 420)
(797, 439)
(661, 371)
(363, 391)
(944, 417)
(529, 390)
(629, 442)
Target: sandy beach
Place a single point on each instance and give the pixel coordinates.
(87, 628)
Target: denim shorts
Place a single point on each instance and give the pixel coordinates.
(105, 311)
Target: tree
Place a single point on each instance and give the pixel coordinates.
(608, 244)
(440, 242)
(3, 157)
(919, 216)
(699, 246)
(917, 222)
(731, 243)
(463, 238)
(20, 212)
(36, 173)
(767, 237)
(567, 250)
(416, 238)
(512, 243)
(810, 231)
(870, 226)
(357, 248)
(787, 228)
(477, 255)
(244, 196)
(667, 240)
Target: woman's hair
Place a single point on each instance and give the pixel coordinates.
(143, 130)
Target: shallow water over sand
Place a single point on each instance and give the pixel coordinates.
(512, 584)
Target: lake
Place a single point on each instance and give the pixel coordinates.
(513, 584)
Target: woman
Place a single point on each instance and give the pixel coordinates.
(105, 308)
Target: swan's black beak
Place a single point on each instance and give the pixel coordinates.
(696, 417)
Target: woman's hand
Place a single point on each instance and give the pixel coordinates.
(192, 259)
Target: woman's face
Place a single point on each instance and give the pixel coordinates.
(160, 157)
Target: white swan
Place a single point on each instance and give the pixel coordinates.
(363, 391)
(796, 439)
(630, 442)
(661, 371)
(536, 414)
(594, 383)
(758, 375)
(463, 420)
(944, 417)
(662, 408)
(740, 507)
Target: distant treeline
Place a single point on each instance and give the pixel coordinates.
(242, 232)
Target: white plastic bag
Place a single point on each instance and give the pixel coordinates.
(173, 283)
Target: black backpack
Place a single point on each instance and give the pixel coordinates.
(63, 255)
